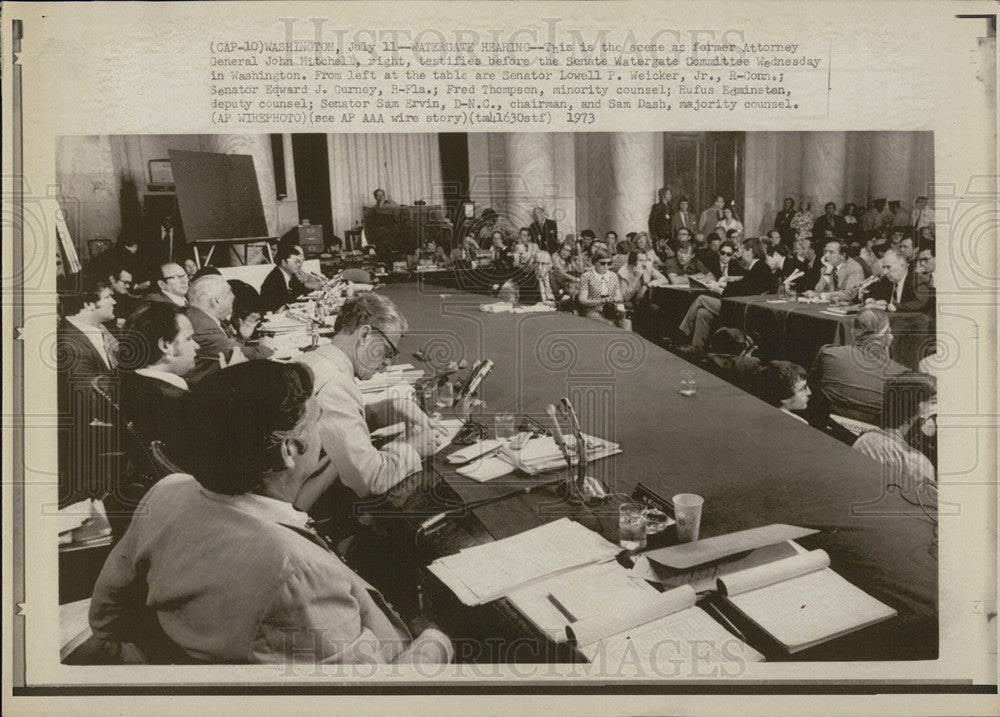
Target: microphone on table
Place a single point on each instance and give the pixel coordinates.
(865, 284)
(558, 436)
(581, 445)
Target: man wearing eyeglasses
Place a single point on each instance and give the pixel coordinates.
(121, 284)
(173, 283)
(367, 332)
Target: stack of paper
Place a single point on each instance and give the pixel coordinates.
(500, 307)
(487, 572)
(533, 309)
(542, 454)
(403, 374)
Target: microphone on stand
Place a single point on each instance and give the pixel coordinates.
(581, 446)
(558, 436)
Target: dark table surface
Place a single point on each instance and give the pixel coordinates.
(796, 331)
(753, 464)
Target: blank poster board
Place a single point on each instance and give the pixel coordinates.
(218, 196)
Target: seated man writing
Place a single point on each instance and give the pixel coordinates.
(364, 343)
(223, 563)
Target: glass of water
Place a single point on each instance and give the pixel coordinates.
(631, 527)
(445, 395)
(503, 426)
(689, 385)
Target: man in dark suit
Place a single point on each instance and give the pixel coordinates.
(659, 223)
(755, 279)
(830, 225)
(533, 286)
(783, 222)
(174, 283)
(125, 303)
(283, 286)
(849, 381)
(544, 231)
(218, 346)
(901, 288)
(151, 391)
(85, 350)
(807, 261)
(684, 218)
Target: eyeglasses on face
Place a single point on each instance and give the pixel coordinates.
(392, 352)
(604, 262)
(725, 253)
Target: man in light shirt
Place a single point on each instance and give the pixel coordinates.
(840, 275)
(367, 332)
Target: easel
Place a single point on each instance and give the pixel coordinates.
(246, 243)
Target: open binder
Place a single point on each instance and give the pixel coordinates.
(800, 602)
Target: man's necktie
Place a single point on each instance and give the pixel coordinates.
(833, 278)
(110, 347)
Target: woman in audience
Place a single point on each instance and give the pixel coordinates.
(678, 268)
(909, 402)
(224, 563)
(729, 221)
(643, 244)
(620, 258)
(803, 221)
(784, 385)
(601, 292)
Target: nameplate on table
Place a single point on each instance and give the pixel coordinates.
(688, 555)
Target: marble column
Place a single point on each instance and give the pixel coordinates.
(891, 163)
(257, 146)
(530, 173)
(634, 178)
(824, 169)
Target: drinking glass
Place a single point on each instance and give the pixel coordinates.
(446, 395)
(689, 385)
(503, 426)
(631, 527)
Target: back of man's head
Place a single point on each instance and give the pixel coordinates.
(369, 309)
(140, 344)
(236, 419)
(903, 395)
(204, 289)
(869, 323)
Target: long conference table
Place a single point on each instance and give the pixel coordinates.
(792, 331)
(753, 465)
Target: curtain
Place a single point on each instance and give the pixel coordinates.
(406, 166)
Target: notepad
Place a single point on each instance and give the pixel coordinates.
(486, 572)
(663, 629)
(801, 602)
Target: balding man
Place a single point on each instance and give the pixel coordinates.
(849, 380)
(901, 288)
(210, 301)
(173, 283)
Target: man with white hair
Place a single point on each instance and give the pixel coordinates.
(534, 284)
(210, 304)
(900, 288)
(848, 381)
